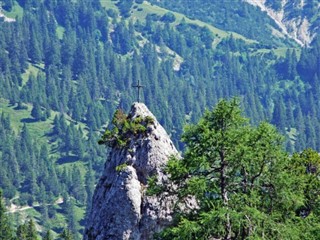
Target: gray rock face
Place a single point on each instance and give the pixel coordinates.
(120, 208)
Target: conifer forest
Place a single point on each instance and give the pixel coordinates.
(66, 66)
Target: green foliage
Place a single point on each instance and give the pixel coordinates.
(27, 231)
(124, 7)
(242, 180)
(176, 169)
(78, 61)
(66, 235)
(6, 232)
(168, 17)
(48, 236)
(307, 165)
(153, 187)
(36, 111)
(124, 129)
(121, 167)
(228, 15)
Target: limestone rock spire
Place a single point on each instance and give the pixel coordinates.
(120, 207)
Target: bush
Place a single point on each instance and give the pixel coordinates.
(124, 128)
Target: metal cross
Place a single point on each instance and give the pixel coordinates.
(138, 86)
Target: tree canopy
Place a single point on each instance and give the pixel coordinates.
(243, 183)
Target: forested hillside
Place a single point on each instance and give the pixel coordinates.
(65, 66)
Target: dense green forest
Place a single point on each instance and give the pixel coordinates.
(66, 66)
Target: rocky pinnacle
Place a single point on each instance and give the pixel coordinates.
(120, 207)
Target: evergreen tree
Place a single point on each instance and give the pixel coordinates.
(27, 231)
(32, 232)
(36, 112)
(71, 218)
(89, 181)
(238, 175)
(77, 187)
(48, 236)
(22, 232)
(6, 232)
(66, 235)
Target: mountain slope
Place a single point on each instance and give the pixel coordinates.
(78, 60)
(299, 20)
(140, 12)
(237, 16)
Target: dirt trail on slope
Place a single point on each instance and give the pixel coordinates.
(15, 208)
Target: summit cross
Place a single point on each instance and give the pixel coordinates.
(138, 86)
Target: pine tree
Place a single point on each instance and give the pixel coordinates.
(89, 181)
(22, 232)
(31, 232)
(36, 111)
(6, 232)
(48, 236)
(71, 218)
(66, 235)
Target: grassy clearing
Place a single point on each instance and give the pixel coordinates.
(38, 129)
(279, 52)
(109, 4)
(142, 10)
(60, 31)
(16, 12)
(147, 8)
(32, 69)
(79, 213)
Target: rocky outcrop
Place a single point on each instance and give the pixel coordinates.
(298, 28)
(4, 17)
(120, 207)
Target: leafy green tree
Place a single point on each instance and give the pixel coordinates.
(238, 176)
(307, 165)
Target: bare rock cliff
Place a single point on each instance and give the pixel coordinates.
(120, 207)
(298, 27)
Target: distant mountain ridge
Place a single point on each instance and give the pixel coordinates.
(299, 19)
